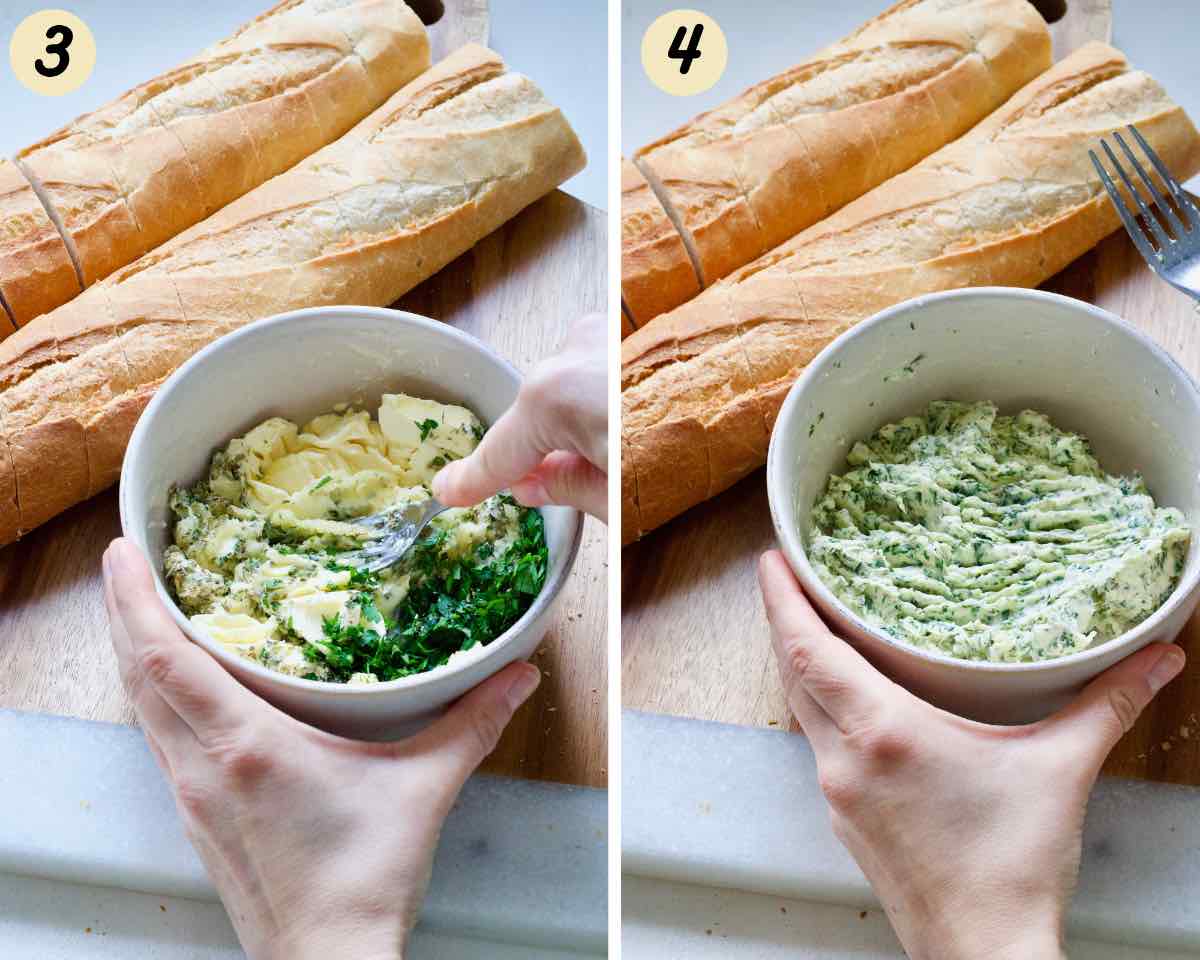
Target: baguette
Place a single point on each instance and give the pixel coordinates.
(788, 152)
(656, 272)
(445, 161)
(131, 175)
(35, 266)
(1011, 204)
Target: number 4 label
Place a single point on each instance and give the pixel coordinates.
(677, 51)
(684, 52)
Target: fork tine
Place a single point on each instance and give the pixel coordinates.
(1131, 225)
(1151, 220)
(1159, 199)
(1186, 204)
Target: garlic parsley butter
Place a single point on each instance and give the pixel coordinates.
(993, 538)
(257, 556)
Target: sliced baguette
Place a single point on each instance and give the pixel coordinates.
(446, 160)
(131, 175)
(757, 170)
(35, 265)
(1011, 203)
(656, 271)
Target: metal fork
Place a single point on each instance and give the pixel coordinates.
(1177, 256)
(393, 533)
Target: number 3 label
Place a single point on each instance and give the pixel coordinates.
(684, 52)
(52, 52)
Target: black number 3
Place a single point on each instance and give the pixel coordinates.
(677, 51)
(58, 49)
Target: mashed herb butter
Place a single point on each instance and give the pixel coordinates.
(993, 538)
(257, 561)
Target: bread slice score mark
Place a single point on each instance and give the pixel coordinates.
(68, 240)
(196, 176)
(685, 234)
(12, 320)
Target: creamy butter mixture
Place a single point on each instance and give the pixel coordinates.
(993, 538)
(258, 558)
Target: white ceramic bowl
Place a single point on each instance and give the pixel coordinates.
(1090, 372)
(299, 365)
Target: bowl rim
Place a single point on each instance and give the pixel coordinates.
(325, 688)
(780, 483)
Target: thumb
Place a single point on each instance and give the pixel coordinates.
(1109, 706)
(508, 451)
(567, 479)
(470, 729)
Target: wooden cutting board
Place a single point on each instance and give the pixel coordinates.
(694, 636)
(516, 290)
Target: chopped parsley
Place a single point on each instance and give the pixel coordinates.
(453, 604)
(426, 427)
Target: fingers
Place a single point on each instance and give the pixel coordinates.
(1110, 705)
(507, 452)
(159, 656)
(160, 724)
(562, 405)
(472, 727)
(566, 479)
(813, 663)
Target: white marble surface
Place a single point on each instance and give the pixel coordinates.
(767, 36)
(674, 921)
(54, 920)
(562, 46)
(738, 811)
(89, 837)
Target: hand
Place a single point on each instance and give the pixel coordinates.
(551, 446)
(969, 833)
(313, 842)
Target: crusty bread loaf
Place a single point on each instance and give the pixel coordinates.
(35, 267)
(1011, 203)
(165, 155)
(789, 151)
(445, 161)
(656, 271)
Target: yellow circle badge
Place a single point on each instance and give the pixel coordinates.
(684, 52)
(52, 52)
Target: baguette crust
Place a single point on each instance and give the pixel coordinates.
(34, 262)
(459, 150)
(1011, 203)
(129, 176)
(749, 175)
(656, 272)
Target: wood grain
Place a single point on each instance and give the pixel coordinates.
(516, 290)
(694, 635)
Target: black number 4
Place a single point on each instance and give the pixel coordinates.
(58, 49)
(677, 52)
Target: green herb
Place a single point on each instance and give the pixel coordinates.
(359, 576)
(452, 604)
(324, 480)
(426, 427)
